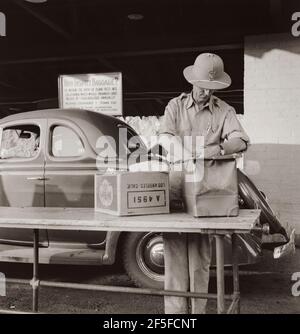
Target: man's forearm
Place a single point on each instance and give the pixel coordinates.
(234, 145)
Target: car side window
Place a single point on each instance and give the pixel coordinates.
(65, 142)
(20, 141)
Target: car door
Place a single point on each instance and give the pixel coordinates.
(22, 181)
(69, 172)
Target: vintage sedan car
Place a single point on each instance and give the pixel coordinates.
(49, 159)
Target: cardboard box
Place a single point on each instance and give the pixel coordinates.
(132, 193)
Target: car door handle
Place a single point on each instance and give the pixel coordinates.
(39, 178)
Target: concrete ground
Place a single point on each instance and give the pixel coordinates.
(266, 287)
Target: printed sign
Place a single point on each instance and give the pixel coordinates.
(100, 92)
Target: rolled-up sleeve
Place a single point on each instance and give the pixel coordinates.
(232, 128)
(168, 124)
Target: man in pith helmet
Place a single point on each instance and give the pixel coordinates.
(198, 113)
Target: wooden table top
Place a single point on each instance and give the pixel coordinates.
(87, 219)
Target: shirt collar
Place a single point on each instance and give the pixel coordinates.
(212, 101)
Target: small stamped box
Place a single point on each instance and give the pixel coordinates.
(132, 193)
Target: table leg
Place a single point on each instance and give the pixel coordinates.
(220, 273)
(35, 278)
(235, 271)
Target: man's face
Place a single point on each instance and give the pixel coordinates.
(201, 95)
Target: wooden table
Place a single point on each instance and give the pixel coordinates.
(86, 219)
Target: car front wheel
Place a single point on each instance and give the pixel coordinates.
(143, 259)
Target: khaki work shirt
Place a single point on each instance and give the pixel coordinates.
(216, 121)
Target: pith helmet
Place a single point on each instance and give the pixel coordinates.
(207, 72)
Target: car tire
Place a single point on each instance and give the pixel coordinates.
(143, 259)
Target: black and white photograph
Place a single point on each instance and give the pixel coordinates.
(149, 160)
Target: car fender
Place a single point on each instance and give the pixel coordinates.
(252, 198)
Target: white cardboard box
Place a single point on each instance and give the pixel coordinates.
(132, 193)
